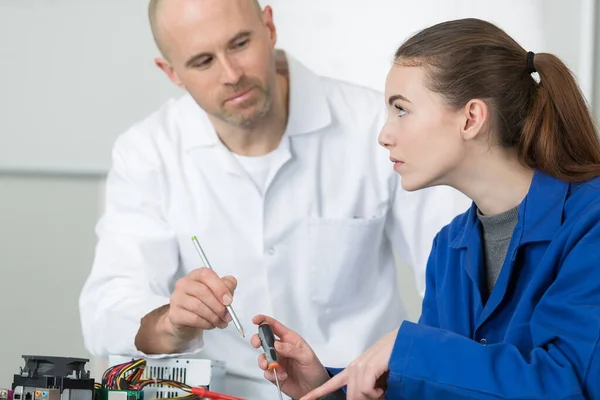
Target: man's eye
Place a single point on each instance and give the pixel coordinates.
(241, 44)
(203, 63)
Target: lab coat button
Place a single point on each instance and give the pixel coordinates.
(271, 251)
(483, 341)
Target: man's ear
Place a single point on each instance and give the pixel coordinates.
(166, 67)
(476, 118)
(267, 15)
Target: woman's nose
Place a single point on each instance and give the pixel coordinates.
(385, 139)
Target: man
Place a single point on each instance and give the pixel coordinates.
(278, 173)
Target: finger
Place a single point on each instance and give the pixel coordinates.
(255, 341)
(282, 375)
(270, 376)
(209, 277)
(261, 319)
(374, 394)
(199, 306)
(352, 390)
(202, 309)
(212, 312)
(280, 330)
(361, 383)
(298, 351)
(213, 317)
(366, 385)
(335, 383)
(285, 349)
(264, 365)
(231, 282)
(262, 362)
(290, 345)
(203, 293)
(185, 318)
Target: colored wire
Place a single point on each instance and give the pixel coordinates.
(128, 376)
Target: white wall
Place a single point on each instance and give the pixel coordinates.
(574, 42)
(46, 245)
(77, 73)
(46, 222)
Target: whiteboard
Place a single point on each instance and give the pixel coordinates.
(77, 73)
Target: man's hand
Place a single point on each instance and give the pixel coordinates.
(197, 304)
(300, 371)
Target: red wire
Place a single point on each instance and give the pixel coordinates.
(203, 393)
(115, 373)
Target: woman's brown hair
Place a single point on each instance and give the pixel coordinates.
(548, 122)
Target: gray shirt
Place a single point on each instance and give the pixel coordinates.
(497, 232)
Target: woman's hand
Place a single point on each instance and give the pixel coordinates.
(365, 377)
(300, 371)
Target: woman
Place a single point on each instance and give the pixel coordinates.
(512, 306)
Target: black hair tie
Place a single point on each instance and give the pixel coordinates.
(530, 65)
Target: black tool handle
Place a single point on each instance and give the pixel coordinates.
(267, 340)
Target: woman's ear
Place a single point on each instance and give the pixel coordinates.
(476, 118)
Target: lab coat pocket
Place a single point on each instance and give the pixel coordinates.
(344, 254)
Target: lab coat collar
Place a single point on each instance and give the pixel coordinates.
(540, 213)
(308, 107)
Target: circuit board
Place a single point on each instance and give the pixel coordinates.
(112, 394)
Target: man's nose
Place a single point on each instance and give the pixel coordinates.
(232, 73)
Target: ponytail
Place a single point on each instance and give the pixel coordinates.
(559, 135)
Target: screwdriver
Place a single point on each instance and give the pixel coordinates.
(234, 317)
(267, 341)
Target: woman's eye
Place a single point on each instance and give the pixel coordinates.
(401, 111)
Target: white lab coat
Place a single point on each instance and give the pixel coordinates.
(315, 251)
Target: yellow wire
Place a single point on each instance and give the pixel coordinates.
(134, 365)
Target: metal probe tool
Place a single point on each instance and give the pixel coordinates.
(267, 341)
(234, 317)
